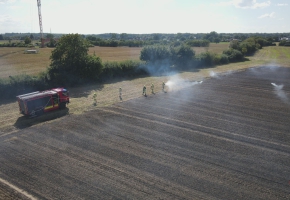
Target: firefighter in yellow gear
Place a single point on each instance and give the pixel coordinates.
(144, 91)
(95, 99)
(152, 88)
(120, 94)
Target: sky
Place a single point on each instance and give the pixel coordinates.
(145, 16)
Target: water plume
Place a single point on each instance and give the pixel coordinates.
(280, 92)
(175, 83)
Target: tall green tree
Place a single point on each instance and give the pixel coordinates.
(155, 53)
(70, 62)
(27, 40)
(184, 54)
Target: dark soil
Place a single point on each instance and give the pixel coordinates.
(227, 138)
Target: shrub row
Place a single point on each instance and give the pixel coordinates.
(284, 43)
(210, 59)
(250, 45)
(138, 43)
(126, 69)
(116, 43)
(21, 84)
(15, 44)
(184, 57)
(198, 43)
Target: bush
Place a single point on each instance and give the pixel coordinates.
(250, 45)
(155, 53)
(284, 43)
(206, 59)
(182, 55)
(234, 55)
(122, 69)
(224, 59)
(92, 68)
(21, 84)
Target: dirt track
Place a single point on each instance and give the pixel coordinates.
(227, 138)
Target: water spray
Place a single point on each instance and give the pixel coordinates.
(278, 87)
(177, 83)
(280, 92)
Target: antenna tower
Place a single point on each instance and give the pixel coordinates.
(40, 23)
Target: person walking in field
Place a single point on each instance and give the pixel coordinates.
(144, 91)
(163, 86)
(95, 99)
(152, 88)
(120, 94)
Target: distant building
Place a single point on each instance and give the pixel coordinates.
(285, 38)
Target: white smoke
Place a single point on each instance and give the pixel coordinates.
(260, 71)
(278, 87)
(175, 83)
(280, 92)
(218, 75)
(213, 74)
(228, 72)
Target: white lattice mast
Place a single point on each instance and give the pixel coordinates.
(40, 22)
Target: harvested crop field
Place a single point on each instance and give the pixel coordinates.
(225, 138)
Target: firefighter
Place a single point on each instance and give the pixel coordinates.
(152, 88)
(144, 90)
(120, 94)
(95, 99)
(163, 86)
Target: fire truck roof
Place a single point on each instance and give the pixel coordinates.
(36, 94)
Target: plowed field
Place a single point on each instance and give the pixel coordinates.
(226, 138)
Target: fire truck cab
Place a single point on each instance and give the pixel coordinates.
(36, 103)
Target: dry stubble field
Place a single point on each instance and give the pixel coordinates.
(227, 138)
(13, 60)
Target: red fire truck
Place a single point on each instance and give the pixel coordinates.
(36, 103)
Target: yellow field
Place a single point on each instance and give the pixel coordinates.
(116, 53)
(13, 60)
(213, 47)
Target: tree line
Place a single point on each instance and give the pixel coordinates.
(156, 36)
(285, 43)
(140, 40)
(71, 65)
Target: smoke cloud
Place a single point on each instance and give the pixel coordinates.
(218, 75)
(175, 83)
(213, 74)
(280, 92)
(159, 68)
